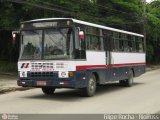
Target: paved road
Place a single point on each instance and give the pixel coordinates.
(143, 97)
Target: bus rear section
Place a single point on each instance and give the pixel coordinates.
(68, 53)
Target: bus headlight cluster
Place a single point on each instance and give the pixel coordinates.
(65, 74)
(23, 74)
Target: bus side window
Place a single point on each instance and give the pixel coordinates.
(80, 45)
(94, 39)
(139, 44)
(121, 45)
(101, 45)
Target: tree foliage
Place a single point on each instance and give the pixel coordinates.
(153, 32)
(121, 14)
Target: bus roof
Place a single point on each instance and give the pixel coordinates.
(86, 23)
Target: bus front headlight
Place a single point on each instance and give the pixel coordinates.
(63, 74)
(23, 74)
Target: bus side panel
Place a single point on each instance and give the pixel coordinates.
(121, 73)
(101, 75)
(83, 76)
(138, 70)
(106, 75)
(116, 73)
(80, 79)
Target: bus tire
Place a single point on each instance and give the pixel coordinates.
(128, 82)
(91, 87)
(48, 90)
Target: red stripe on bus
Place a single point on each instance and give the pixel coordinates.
(84, 67)
(128, 64)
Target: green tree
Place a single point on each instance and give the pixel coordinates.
(122, 14)
(153, 32)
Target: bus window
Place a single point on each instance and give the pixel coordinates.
(121, 46)
(141, 47)
(126, 46)
(101, 40)
(94, 43)
(89, 42)
(94, 39)
(88, 37)
(77, 42)
(124, 42)
(80, 45)
(107, 40)
(131, 43)
(139, 44)
(121, 42)
(115, 41)
(58, 43)
(116, 44)
(134, 43)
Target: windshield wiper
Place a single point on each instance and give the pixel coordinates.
(50, 36)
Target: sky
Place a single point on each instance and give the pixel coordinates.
(149, 0)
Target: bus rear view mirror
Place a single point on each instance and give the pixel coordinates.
(81, 34)
(14, 35)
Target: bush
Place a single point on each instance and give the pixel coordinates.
(8, 67)
(150, 53)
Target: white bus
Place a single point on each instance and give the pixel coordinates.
(69, 53)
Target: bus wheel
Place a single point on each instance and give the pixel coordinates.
(129, 81)
(48, 90)
(91, 87)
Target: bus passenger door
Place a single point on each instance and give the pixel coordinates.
(107, 47)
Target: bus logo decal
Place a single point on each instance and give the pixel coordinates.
(22, 65)
(25, 65)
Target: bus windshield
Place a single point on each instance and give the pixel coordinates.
(31, 44)
(47, 44)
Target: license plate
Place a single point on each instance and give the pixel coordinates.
(41, 83)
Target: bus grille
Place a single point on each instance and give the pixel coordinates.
(42, 74)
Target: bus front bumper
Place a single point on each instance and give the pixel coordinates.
(77, 81)
(46, 83)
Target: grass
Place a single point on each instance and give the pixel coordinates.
(8, 67)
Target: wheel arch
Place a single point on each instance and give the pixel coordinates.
(97, 77)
